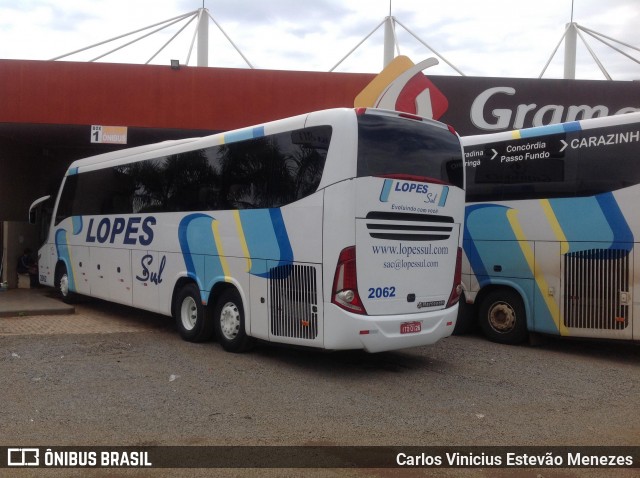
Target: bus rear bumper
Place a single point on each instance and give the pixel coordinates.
(389, 332)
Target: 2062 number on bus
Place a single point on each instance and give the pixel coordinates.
(381, 292)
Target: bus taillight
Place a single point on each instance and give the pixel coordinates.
(456, 291)
(345, 283)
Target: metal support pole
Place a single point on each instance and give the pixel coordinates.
(203, 37)
(389, 41)
(570, 41)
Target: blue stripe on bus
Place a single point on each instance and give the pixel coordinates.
(244, 134)
(482, 223)
(443, 196)
(572, 126)
(198, 247)
(77, 224)
(386, 189)
(286, 252)
(622, 233)
(579, 218)
(597, 217)
(550, 129)
(470, 249)
(72, 171)
(266, 237)
(265, 234)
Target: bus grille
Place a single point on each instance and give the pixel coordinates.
(294, 301)
(596, 285)
(414, 227)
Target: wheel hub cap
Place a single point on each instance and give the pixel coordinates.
(230, 321)
(502, 318)
(64, 285)
(189, 313)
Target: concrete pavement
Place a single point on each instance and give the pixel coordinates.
(25, 302)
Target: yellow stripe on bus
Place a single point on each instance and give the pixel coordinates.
(541, 282)
(555, 225)
(223, 258)
(243, 240)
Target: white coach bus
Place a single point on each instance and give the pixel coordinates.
(338, 229)
(550, 230)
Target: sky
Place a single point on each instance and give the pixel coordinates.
(499, 38)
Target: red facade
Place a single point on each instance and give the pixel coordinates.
(159, 97)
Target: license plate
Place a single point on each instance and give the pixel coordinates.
(410, 327)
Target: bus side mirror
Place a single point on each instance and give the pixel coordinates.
(33, 209)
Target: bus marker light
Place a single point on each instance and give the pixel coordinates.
(410, 116)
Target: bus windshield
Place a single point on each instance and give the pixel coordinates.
(390, 145)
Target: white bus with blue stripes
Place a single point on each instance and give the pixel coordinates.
(550, 231)
(338, 229)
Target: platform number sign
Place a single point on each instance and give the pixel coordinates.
(109, 134)
(96, 133)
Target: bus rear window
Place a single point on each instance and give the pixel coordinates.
(390, 146)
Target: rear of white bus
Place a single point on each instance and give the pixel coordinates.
(397, 279)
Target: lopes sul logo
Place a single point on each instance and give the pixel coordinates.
(402, 86)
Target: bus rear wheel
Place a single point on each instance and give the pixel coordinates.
(502, 317)
(190, 315)
(229, 322)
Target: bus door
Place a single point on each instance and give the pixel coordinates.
(79, 261)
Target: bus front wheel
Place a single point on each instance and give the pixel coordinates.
(229, 322)
(190, 315)
(502, 317)
(62, 284)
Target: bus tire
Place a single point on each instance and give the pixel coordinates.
(62, 284)
(229, 322)
(502, 317)
(190, 315)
